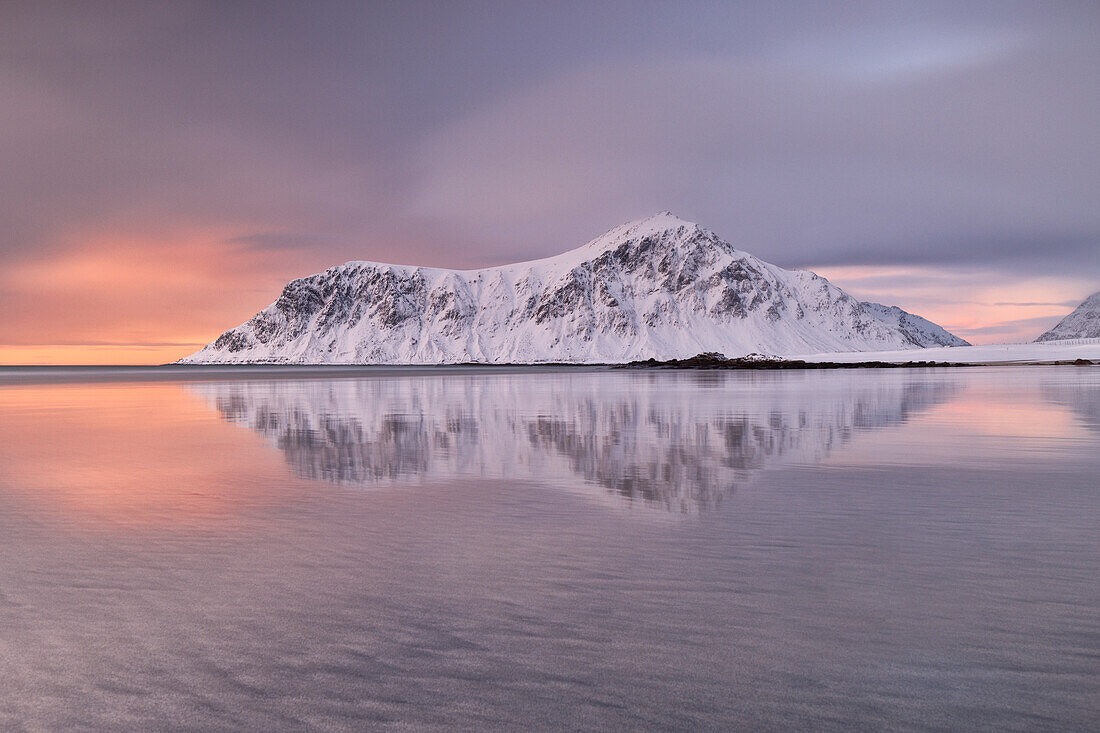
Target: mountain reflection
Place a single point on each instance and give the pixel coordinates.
(674, 441)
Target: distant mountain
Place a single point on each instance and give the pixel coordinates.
(920, 331)
(1082, 323)
(660, 287)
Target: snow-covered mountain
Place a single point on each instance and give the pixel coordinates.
(659, 287)
(921, 331)
(1082, 323)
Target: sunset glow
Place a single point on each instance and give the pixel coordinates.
(132, 300)
(535, 366)
(117, 301)
(979, 306)
(163, 192)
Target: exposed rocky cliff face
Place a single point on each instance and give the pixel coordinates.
(660, 287)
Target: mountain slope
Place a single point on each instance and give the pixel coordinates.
(1082, 323)
(659, 287)
(920, 331)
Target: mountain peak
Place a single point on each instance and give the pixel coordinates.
(655, 225)
(660, 222)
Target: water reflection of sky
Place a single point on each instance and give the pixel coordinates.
(905, 548)
(998, 418)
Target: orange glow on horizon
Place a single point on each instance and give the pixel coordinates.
(91, 355)
(108, 299)
(977, 306)
(105, 298)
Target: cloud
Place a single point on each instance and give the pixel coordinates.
(280, 240)
(1013, 328)
(1060, 304)
(969, 301)
(153, 290)
(91, 342)
(890, 57)
(788, 164)
(946, 137)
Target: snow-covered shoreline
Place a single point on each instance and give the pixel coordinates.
(1030, 353)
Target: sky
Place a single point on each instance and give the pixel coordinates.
(168, 167)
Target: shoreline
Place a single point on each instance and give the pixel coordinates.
(705, 361)
(25, 375)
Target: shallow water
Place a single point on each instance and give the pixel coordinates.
(874, 549)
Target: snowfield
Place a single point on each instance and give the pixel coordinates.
(660, 288)
(1033, 353)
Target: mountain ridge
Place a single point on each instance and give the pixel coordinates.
(659, 287)
(1082, 322)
